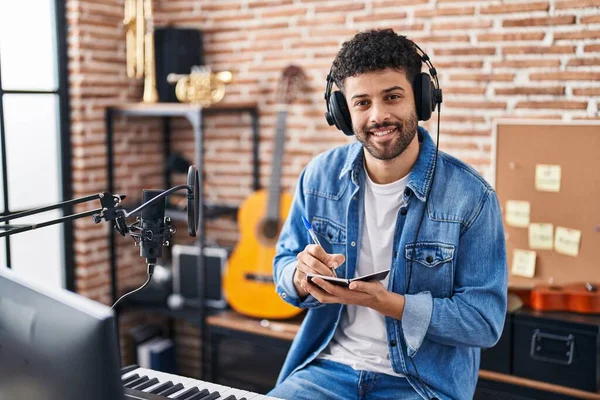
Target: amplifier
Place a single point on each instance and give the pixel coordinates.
(187, 279)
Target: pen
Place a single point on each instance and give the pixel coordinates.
(311, 231)
(313, 236)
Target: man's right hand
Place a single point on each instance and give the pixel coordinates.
(313, 259)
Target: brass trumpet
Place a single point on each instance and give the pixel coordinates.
(139, 28)
(201, 86)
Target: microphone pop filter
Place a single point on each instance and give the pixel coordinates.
(193, 199)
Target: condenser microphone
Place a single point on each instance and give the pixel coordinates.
(153, 227)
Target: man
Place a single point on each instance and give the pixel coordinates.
(376, 205)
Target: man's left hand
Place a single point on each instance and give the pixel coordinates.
(367, 294)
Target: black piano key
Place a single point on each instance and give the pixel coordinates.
(146, 384)
(136, 382)
(171, 390)
(201, 394)
(212, 396)
(187, 393)
(129, 368)
(230, 397)
(162, 387)
(129, 379)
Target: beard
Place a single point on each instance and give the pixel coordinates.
(404, 134)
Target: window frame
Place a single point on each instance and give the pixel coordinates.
(66, 190)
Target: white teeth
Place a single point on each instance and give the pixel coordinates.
(383, 133)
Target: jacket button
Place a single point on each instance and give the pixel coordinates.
(407, 192)
(429, 259)
(393, 343)
(283, 295)
(353, 244)
(403, 211)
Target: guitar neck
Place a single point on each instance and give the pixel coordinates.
(275, 184)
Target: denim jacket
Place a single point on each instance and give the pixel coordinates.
(456, 302)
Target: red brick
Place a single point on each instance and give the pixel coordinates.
(587, 91)
(398, 15)
(465, 51)
(442, 38)
(458, 64)
(498, 77)
(553, 105)
(510, 36)
(475, 104)
(538, 50)
(219, 6)
(461, 11)
(565, 76)
(320, 19)
(585, 34)
(579, 62)
(526, 63)
(396, 3)
(475, 24)
(562, 4)
(268, 3)
(590, 19)
(534, 90)
(544, 21)
(463, 90)
(591, 48)
(339, 7)
(283, 12)
(515, 8)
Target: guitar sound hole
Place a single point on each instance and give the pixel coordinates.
(270, 229)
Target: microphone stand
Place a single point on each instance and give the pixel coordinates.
(110, 210)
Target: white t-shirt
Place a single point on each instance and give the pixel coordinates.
(360, 340)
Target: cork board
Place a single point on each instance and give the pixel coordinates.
(518, 147)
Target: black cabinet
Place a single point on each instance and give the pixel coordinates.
(558, 348)
(498, 358)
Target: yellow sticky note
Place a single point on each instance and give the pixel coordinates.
(547, 178)
(523, 263)
(517, 213)
(566, 241)
(541, 236)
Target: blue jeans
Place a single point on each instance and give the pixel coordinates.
(325, 379)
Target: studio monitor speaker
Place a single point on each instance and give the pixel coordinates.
(177, 50)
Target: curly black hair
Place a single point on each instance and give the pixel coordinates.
(376, 50)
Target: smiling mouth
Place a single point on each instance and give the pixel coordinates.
(385, 133)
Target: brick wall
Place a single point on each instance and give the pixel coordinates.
(530, 58)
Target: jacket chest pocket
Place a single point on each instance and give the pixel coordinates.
(432, 268)
(331, 235)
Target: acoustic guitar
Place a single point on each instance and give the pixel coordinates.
(248, 282)
(576, 297)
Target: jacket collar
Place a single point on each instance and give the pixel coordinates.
(421, 174)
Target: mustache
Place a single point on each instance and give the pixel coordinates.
(383, 125)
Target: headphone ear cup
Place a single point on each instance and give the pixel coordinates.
(423, 89)
(338, 109)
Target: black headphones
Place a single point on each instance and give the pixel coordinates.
(427, 95)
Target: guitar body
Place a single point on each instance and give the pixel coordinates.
(576, 297)
(248, 282)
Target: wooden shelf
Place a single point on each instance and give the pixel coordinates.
(548, 387)
(285, 330)
(177, 108)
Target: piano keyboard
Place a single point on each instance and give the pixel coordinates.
(146, 384)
